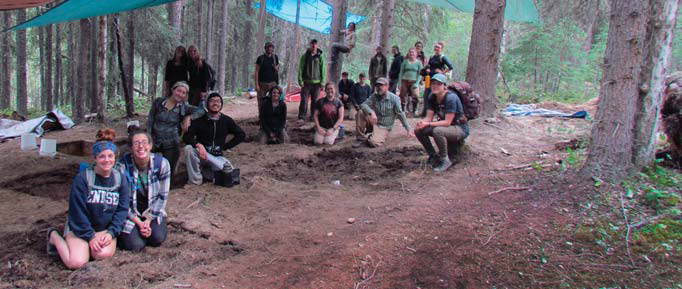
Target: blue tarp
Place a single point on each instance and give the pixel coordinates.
(78, 9)
(314, 14)
(530, 109)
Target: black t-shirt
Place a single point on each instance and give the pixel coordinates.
(267, 71)
(345, 86)
(328, 111)
(175, 73)
(142, 197)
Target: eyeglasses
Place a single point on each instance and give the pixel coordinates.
(140, 143)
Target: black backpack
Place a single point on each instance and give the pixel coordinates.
(211, 77)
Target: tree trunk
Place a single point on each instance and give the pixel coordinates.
(82, 72)
(50, 91)
(43, 67)
(484, 51)
(130, 69)
(592, 26)
(261, 25)
(73, 71)
(153, 81)
(58, 77)
(292, 69)
(22, 89)
(338, 23)
(5, 47)
(175, 17)
(127, 91)
(637, 52)
(658, 51)
(248, 44)
(92, 61)
(112, 75)
(375, 35)
(200, 25)
(222, 59)
(386, 25)
(102, 59)
(209, 33)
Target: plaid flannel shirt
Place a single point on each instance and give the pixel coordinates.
(159, 185)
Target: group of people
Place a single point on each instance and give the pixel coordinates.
(125, 200)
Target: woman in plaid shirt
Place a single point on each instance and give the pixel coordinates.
(149, 177)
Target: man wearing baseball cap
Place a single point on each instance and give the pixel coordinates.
(377, 114)
(449, 128)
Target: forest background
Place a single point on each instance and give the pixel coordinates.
(558, 60)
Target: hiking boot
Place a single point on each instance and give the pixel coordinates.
(358, 143)
(50, 248)
(444, 165)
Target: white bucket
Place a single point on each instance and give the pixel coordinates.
(28, 141)
(48, 147)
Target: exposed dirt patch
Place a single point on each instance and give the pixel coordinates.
(349, 166)
(54, 184)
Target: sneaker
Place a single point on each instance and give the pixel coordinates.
(50, 248)
(358, 143)
(444, 165)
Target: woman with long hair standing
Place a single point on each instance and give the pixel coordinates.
(176, 70)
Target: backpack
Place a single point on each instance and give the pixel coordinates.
(211, 77)
(90, 177)
(471, 101)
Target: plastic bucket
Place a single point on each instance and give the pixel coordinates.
(48, 147)
(28, 141)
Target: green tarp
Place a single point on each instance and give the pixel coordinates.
(516, 10)
(77, 9)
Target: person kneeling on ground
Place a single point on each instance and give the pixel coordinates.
(378, 113)
(328, 116)
(450, 128)
(206, 139)
(149, 177)
(98, 206)
(273, 118)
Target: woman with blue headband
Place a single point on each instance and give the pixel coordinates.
(98, 207)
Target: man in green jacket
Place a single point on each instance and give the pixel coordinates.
(311, 74)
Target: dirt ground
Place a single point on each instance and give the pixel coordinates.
(287, 225)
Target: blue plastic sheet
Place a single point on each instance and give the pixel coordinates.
(530, 109)
(314, 14)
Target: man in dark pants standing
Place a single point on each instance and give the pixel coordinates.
(311, 73)
(267, 72)
(377, 66)
(394, 72)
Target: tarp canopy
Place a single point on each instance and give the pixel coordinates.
(78, 9)
(516, 10)
(314, 14)
(17, 4)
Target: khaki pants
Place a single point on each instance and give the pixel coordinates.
(325, 139)
(407, 87)
(198, 169)
(373, 134)
(445, 137)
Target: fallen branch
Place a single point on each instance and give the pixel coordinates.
(490, 238)
(197, 201)
(508, 189)
(524, 167)
(627, 224)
